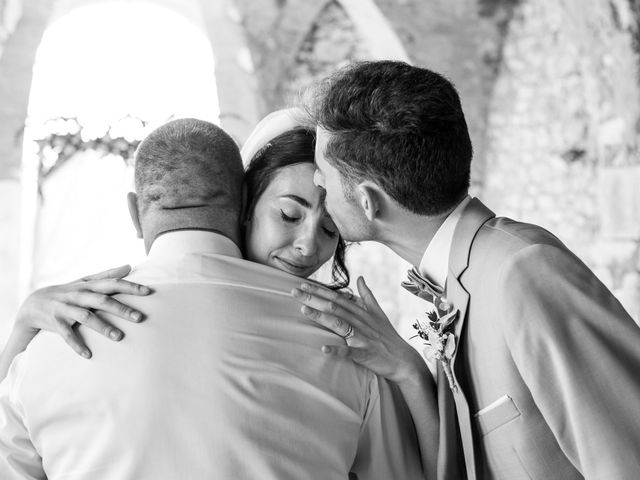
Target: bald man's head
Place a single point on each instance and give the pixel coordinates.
(188, 174)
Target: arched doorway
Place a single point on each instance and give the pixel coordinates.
(105, 74)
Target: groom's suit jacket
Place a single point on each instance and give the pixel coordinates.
(548, 361)
(224, 380)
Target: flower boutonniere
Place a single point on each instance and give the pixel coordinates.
(440, 342)
(435, 330)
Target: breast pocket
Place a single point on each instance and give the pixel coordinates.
(496, 414)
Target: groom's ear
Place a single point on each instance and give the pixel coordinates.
(132, 203)
(370, 198)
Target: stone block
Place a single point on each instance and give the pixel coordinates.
(619, 202)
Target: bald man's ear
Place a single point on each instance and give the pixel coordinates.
(132, 202)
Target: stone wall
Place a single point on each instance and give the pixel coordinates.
(550, 91)
(563, 132)
(276, 31)
(331, 43)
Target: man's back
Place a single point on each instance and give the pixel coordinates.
(224, 380)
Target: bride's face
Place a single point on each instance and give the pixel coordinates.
(290, 229)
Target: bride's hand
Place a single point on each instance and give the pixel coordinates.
(373, 343)
(58, 308)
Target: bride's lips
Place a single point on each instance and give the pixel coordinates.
(293, 267)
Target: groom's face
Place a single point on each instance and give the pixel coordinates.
(340, 204)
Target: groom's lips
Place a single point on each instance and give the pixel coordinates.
(296, 267)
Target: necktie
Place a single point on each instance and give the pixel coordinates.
(450, 460)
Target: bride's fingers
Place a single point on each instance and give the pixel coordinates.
(369, 300)
(104, 303)
(352, 298)
(361, 336)
(71, 314)
(336, 324)
(330, 315)
(331, 295)
(112, 286)
(72, 338)
(117, 272)
(358, 355)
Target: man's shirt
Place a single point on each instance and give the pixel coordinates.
(224, 379)
(435, 261)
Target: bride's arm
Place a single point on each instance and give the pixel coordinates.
(58, 308)
(375, 344)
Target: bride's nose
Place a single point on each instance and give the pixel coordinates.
(306, 240)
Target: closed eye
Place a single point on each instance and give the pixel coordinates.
(287, 218)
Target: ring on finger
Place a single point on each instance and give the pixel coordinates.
(349, 333)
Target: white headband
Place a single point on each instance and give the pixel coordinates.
(274, 124)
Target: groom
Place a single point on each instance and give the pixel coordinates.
(544, 379)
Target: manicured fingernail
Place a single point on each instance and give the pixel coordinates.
(306, 287)
(145, 290)
(296, 292)
(85, 353)
(136, 316)
(326, 349)
(115, 334)
(306, 310)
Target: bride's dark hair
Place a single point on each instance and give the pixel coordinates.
(290, 148)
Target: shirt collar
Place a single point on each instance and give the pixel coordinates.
(173, 244)
(435, 261)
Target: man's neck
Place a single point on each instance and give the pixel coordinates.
(408, 238)
(193, 229)
(151, 234)
(409, 234)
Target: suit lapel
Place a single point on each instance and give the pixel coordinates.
(473, 217)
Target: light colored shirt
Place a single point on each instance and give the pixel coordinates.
(223, 380)
(435, 261)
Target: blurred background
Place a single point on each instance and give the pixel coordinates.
(550, 88)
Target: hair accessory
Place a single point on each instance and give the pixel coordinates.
(270, 127)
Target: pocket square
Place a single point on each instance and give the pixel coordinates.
(496, 414)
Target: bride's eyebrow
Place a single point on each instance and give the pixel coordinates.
(302, 201)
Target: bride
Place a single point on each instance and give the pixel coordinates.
(286, 227)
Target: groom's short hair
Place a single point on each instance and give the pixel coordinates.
(400, 126)
(188, 163)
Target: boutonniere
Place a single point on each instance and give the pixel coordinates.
(435, 330)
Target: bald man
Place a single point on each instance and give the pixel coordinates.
(224, 380)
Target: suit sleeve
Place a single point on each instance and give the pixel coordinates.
(18, 456)
(578, 351)
(388, 445)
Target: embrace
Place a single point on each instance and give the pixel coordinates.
(246, 368)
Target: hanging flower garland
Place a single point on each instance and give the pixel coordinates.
(61, 138)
